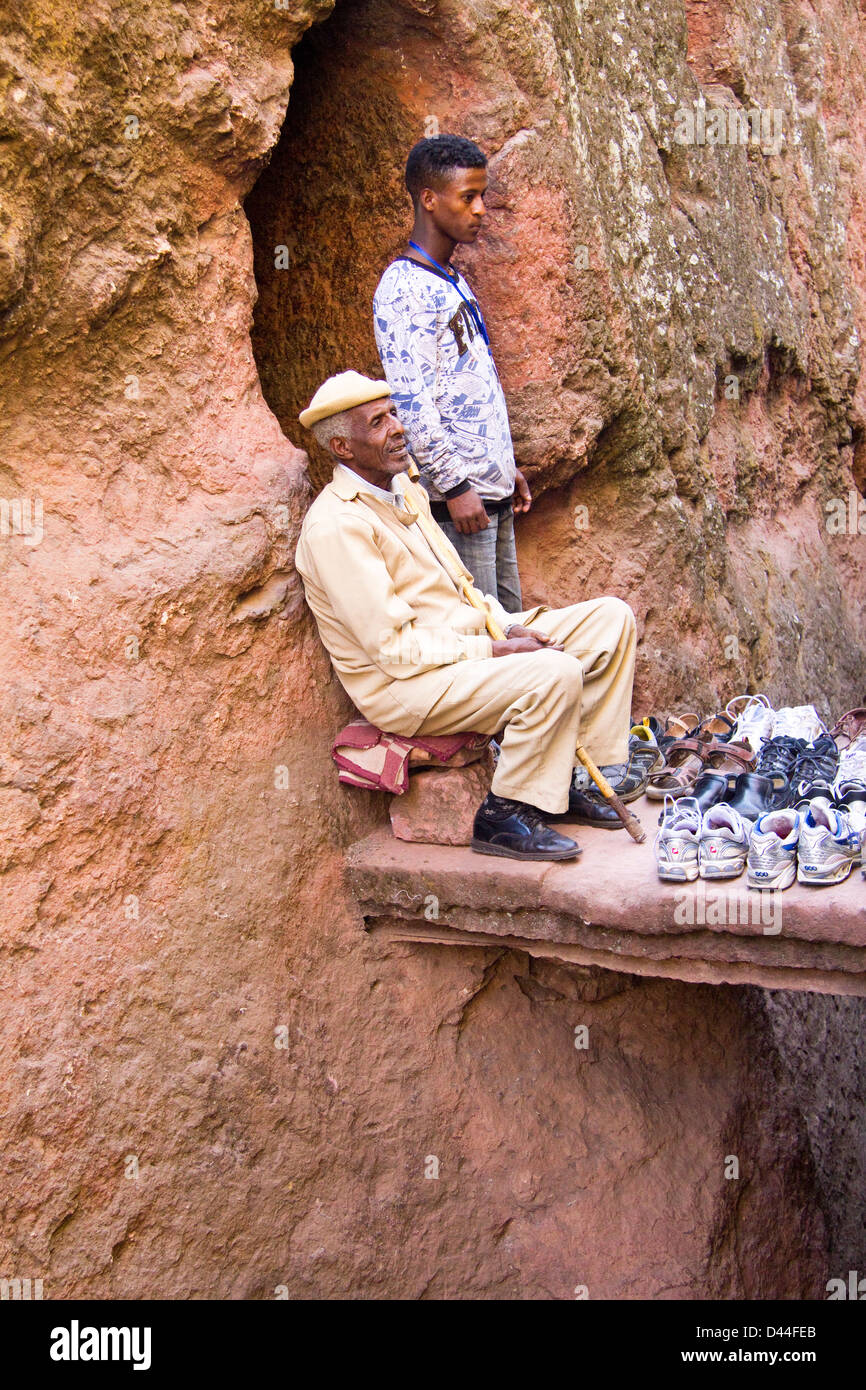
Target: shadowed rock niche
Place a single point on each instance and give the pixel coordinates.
(330, 210)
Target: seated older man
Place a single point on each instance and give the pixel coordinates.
(414, 656)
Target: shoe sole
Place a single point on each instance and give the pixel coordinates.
(502, 853)
(720, 871)
(596, 824)
(632, 796)
(781, 880)
(683, 873)
(659, 793)
(834, 876)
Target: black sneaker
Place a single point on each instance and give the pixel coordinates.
(645, 756)
(777, 761)
(516, 830)
(629, 780)
(816, 769)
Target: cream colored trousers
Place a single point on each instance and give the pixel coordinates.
(544, 700)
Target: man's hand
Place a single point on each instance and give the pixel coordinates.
(522, 495)
(467, 512)
(525, 639)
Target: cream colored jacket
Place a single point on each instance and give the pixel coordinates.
(392, 620)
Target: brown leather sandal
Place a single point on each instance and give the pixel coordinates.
(681, 726)
(686, 758)
(730, 757)
(849, 726)
(719, 725)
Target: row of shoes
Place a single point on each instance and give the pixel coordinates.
(817, 843)
(757, 722)
(786, 758)
(789, 773)
(746, 720)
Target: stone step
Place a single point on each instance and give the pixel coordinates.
(609, 909)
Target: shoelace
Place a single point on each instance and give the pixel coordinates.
(682, 814)
(779, 755)
(752, 701)
(532, 815)
(818, 763)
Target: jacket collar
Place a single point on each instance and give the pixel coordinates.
(347, 485)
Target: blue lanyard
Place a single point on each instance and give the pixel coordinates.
(472, 305)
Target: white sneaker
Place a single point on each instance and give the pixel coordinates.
(855, 810)
(754, 722)
(724, 843)
(850, 799)
(772, 859)
(798, 721)
(678, 840)
(829, 846)
(849, 788)
(852, 763)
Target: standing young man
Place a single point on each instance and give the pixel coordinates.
(435, 352)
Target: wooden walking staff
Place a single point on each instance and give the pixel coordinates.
(462, 580)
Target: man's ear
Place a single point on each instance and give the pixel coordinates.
(428, 199)
(341, 447)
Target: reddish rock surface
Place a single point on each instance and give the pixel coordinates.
(439, 806)
(214, 1083)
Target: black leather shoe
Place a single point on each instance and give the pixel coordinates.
(590, 808)
(516, 830)
(754, 794)
(709, 790)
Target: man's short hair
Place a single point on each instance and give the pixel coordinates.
(431, 161)
(324, 430)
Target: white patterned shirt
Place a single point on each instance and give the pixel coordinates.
(443, 382)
